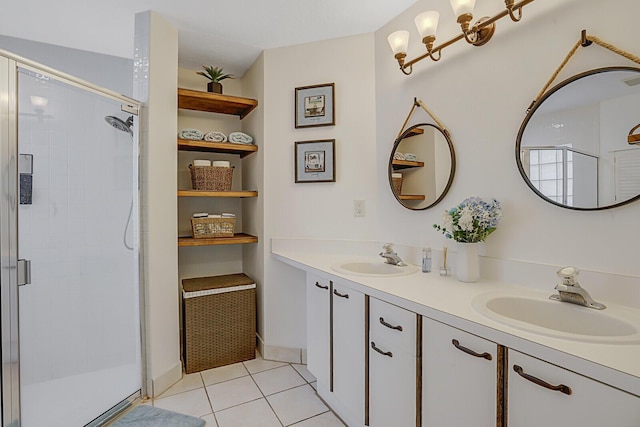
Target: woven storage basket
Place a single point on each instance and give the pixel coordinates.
(397, 185)
(211, 178)
(219, 321)
(207, 228)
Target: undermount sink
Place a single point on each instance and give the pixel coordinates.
(539, 315)
(371, 268)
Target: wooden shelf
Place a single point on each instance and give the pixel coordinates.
(412, 197)
(405, 164)
(237, 239)
(216, 147)
(200, 193)
(215, 103)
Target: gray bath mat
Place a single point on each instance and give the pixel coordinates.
(148, 416)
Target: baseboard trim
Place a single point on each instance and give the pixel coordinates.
(162, 383)
(281, 354)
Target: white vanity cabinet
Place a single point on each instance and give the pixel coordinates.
(348, 330)
(336, 343)
(318, 324)
(459, 378)
(543, 399)
(393, 365)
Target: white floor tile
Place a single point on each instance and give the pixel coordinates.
(210, 421)
(296, 404)
(252, 414)
(192, 402)
(328, 419)
(187, 383)
(302, 370)
(233, 392)
(224, 373)
(259, 365)
(279, 379)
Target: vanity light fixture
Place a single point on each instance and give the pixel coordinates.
(427, 23)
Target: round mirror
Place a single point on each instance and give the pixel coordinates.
(574, 148)
(421, 166)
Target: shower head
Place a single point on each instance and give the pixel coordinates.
(121, 125)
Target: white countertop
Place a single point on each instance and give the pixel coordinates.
(448, 300)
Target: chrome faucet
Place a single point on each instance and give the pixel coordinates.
(390, 256)
(570, 291)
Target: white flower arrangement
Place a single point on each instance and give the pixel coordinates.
(471, 221)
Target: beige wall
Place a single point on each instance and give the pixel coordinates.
(157, 43)
(319, 210)
(481, 95)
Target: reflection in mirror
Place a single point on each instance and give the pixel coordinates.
(572, 148)
(421, 166)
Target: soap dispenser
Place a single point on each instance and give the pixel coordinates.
(426, 260)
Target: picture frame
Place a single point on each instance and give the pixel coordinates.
(315, 161)
(315, 106)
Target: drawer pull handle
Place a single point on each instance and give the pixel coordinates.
(390, 326)
(338, 294)
(318, 285)
(561, 388)
(485, 355)
(384, 353)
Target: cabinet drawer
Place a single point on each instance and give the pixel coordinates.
(567, 398)
(392, 326)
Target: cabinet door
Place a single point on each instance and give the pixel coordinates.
(459, 388)
(348, 350)
(590, 404)
(318, 325)
(392, 365)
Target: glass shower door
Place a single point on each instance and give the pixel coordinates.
(77, 222)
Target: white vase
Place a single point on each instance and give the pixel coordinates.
(467, 262)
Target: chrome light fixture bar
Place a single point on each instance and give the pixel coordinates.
(427, 23)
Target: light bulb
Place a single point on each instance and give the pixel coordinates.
(462, 7)
(399, 41)
(427, 23)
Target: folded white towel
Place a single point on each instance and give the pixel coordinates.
(192, 134)
(228, 215)
(200, 215)
(215, 137)
(214, 216)
(221, 164)
(398, 156)
(410, 157)
(202, 163)
(240, 138)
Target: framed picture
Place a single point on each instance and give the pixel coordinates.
(315, 161)
(315, 106)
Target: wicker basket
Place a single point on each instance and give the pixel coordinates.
(397, 185)
(211, 178)
(219, 321)
(207, 228)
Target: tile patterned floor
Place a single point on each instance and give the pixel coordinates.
(254, 393)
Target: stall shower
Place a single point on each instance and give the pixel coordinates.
(71, 335)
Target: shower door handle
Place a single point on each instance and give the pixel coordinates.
(24, 272)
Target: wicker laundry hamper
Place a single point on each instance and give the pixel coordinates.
(219, 321)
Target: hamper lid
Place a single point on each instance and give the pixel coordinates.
(216, 282)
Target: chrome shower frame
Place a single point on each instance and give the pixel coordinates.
(10, 372)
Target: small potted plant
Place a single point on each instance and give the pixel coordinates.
(216, 75)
